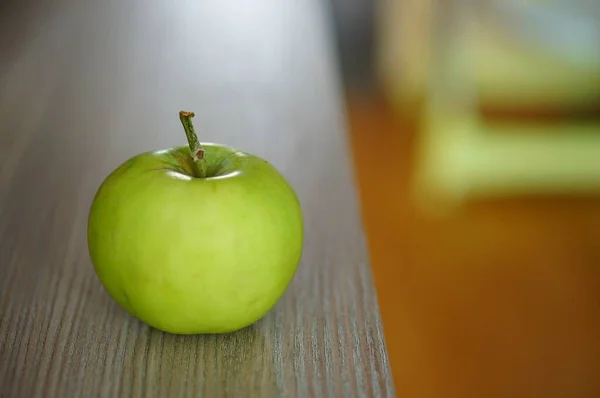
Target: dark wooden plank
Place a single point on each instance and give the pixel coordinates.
(84, 86)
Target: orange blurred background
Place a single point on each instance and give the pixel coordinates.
(489, 279)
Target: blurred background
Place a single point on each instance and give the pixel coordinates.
(476, 136)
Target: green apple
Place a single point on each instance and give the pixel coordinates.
(196, 239)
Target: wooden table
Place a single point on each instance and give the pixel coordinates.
(84, 86)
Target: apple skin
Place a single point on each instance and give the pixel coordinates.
(191, 255)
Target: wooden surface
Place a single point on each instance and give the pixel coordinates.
(84, 86)
(499, 299)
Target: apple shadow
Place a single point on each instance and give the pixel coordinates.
(235, 364)
(241, 363)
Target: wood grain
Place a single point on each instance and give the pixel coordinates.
(84, 86)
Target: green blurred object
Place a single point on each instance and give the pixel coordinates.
(510, 54)
(461, 157)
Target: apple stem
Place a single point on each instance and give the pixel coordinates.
(196, 149)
